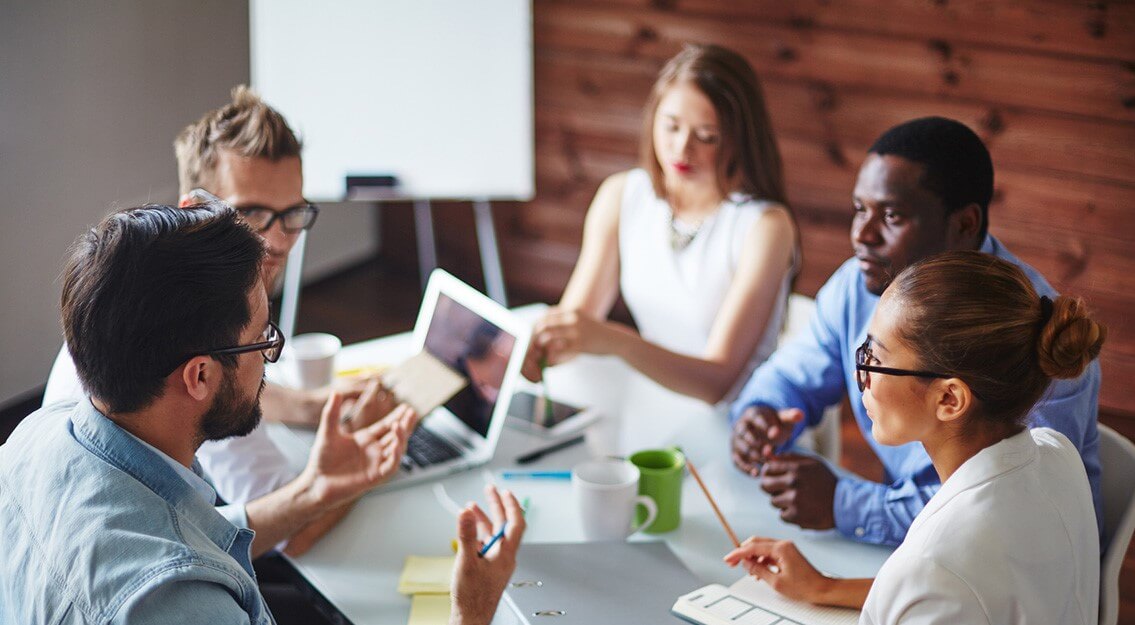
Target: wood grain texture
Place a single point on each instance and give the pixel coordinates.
(1048, 84)
(856, 59)
(1083, 28)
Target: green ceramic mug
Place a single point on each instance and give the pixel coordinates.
(661, 472)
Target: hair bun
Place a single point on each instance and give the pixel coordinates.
(1070, 339)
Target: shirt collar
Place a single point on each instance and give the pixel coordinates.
(990, 245)
(106, 439)
(192, 477)
(987, 464)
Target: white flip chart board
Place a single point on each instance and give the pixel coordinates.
(437, 93)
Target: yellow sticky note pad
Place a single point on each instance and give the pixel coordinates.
(362, 371)
(429, 609)
(423, 574)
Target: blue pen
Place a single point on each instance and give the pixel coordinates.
(536, 475)
(500, 534)
(496, 537)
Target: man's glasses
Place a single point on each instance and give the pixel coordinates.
(295, 219)
(863, 370)
(270, 347)
(260, 218)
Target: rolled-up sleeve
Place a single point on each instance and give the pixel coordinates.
(235, 513)
(807, 372)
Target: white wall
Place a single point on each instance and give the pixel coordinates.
(91, 97)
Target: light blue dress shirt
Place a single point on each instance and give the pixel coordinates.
(97, 527)
(814, 370)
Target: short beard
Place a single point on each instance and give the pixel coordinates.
(230, 416)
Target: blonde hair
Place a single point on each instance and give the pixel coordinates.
(246, 126)
(749, 159)
(977, 317)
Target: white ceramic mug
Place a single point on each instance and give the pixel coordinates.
(314, 358)
(606, 495)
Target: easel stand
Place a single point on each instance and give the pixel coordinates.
(427, 258)
(486, 243)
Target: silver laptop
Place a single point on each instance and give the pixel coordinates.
(485, 343)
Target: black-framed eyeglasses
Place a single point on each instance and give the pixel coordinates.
(863, 370)
(260, 218)
(271, 347)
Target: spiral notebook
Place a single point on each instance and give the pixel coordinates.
(752, 602)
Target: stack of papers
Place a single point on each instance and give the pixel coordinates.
(427, 579)
(429, 610)
(423, 574)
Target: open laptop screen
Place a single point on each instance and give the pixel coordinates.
(478, 350)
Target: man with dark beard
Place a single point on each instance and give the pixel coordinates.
(105, 515)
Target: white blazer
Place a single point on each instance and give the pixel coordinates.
(1010, 538)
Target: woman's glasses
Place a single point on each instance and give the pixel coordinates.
(863, 370)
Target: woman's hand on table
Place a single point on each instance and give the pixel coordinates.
(781, 565)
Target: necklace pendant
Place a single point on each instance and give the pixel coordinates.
(680, 236)
(681, 240)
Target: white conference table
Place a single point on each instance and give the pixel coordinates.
(357, 565)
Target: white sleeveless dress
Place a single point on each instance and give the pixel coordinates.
(674, 295)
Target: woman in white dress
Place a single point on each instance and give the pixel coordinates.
(699, 241)
(959, 349)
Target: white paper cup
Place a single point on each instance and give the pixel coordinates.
(313, 356)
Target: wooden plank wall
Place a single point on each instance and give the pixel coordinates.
(1048, 84)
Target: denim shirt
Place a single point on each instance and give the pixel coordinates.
(814, 370)
(97, 528)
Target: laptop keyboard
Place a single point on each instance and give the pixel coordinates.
(426, 448)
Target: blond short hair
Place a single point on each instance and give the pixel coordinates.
(246, 126)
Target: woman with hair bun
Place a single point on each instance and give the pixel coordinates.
(957, 352)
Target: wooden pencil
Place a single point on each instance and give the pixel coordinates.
(713, 504)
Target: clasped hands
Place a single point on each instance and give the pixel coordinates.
(349, 459)
(355, 413)
(801, 487)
